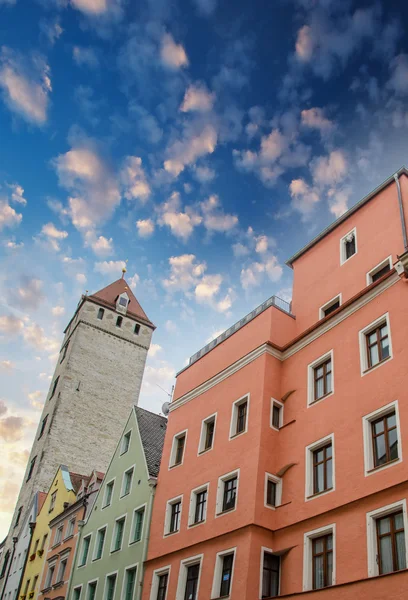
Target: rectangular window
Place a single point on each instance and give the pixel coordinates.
(54, 387)
(110, 587)
(50, 576)
(43, 424)
(119, 321)
(18, 517)
(180, 449)
(200, 507)
(379, 271)
(62, 569)
(239, 417)
(130, 582)
(58, 535)
(277, 414)
(385, 439)
(177, 449)
(85, 550)
(322, 557)
(175, 511)
(65, 351)
(162, 586)
(31, 469)
(71, 528)
(127, 482)
(322, 375)
(330, 307)
(348, 246)
(226, 574)
(137, 329)
(53, 500)
(230, 493)
(191, 591)
(223, 574)
(76, 594)
(91, 595)
(118, 534)
(378, 348)
(207, 434)
(138, 525)
(391, 543)
(270, 575)
(100, 541)
(126, 442)
(108, 494)
(271, 493)
(273, 490)
(101, 312)
(322, 469)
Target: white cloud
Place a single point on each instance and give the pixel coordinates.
(36, 399)
(158, 376)
(181, 223)
(10, 325)
(304, 44)
(206, 7)
(314, 118)
(240, 250)
(203, 174)
(35, 336)
(29, 294)
(154, 349)
(133, 281)
(214, 219)
(51, 29)
(145, 227)
(304, 198)
(331, 169)
(58, 311)
(80, 277)
(252, 275)
(193, 145)
(91, 7)
(111, 267)
(88, 177)
(12, 245)
(338, 201)
(398, 81)
(26, 85)
(50, 233)
(197, 98)
(8, 216)
(101, 245)
(172, 55)
(7, 365)
(134, 179)
(261, 244)
(85, 56)
(185, 273)
(17, 193)
(170, 326)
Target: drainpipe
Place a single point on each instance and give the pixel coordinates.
(9, 567)
(152, 483)
(32, 527)
(401, 209)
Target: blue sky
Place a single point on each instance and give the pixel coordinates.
(202, 141)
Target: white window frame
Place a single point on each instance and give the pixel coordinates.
(71, 528)
(58, 535)
(82, 550)
(167, 517)
(77, 587)
(281, 406)
(204, 422)
(105, 527)
(128, 568)
(234, 416)
(193, 501)
(374, 270)
(215, 590)
(182, 578)
(112, 550)
(48, 580)
(369, 468)
(105, 494)
(363, 346)
(134, 522)
(343, 258)
(220, 493)
(310, 378)
(329, 304)
(371, 517)
(59, 574)
(178, 435)
(105, 589)
(309, 495)
(308, 554)
(264, 551)
(278, 481)
(90, 582)
(122, 489)
(155, 581)
(128, 433)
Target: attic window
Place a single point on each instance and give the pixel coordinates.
(123, 301)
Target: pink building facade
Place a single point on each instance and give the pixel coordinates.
(284, 469)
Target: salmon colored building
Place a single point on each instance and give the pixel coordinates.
(284, 469)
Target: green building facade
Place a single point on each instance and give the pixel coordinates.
(113, 541)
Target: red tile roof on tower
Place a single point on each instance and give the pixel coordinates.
(108, 295)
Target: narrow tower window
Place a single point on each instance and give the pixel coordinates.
(119, 322)
(137, 329)
(101, 312)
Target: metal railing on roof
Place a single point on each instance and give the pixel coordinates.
(272, 301)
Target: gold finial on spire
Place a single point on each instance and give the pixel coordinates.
(124, 269)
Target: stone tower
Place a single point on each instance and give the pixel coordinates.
(96, 381)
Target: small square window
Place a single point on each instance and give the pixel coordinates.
(101, 313)
(239, 418)
(379, 271)
(348, 246)
(123, 301)
(329, 307)
(177, 450)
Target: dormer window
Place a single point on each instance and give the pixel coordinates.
(348, 246)
(122, 303)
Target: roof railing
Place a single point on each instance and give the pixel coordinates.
(272, 301)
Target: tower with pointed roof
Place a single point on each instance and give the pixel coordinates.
(96, 381)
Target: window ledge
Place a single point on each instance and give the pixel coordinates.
(232, 437)
(379, 467)
(171, 533)
(227, 510)
(196, 523)
(135, 542)
(204, 451)
(319, 493)
(316, 400)
(175, 465)
(69, 537)
(116, 550)
(380, 362)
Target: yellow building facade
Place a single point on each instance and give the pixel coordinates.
(62, 490)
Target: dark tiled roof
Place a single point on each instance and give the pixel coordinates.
(152, 430)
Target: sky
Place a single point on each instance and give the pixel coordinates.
(199, 142)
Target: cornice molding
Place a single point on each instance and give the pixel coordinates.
(292, 349)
